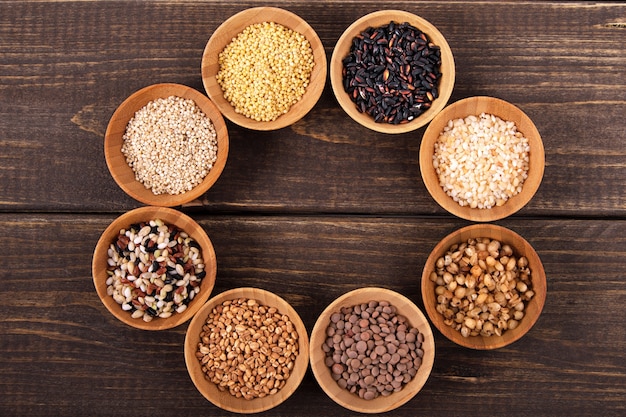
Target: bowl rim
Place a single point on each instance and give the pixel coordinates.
(169, 216)
(519, 245)
(495, 106)
(322, 373)
(123, 174)
(225, 400)
(378, 18)
(219, 39)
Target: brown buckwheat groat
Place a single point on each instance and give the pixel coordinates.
(247, 349)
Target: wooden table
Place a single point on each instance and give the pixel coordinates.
(310, 211)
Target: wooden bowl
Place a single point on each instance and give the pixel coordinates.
(224, 399)
(116, 161)
(342, 396)
(169, 216)
(520, 248)
(476, 106)
(234, 25)
(380, 18)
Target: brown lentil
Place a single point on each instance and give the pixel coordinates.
(265, 70)
(482, 287)
(481, 161)
(154, 270)
(372, 350)
(392, 72)
(170, 144)
(247, 349)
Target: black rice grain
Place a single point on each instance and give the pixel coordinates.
(392, 72)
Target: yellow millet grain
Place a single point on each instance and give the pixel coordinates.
(265, 70)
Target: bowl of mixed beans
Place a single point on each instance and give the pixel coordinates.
(154, 267)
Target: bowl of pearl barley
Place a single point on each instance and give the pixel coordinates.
(264, 68)
(166, 145)
(482, 158)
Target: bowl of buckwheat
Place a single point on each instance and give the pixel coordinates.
(392, 71)
(154, 267)
(482, 159)
(166, 145)
(246, 350)
(264, 68)
(483, 286)
(372, 350)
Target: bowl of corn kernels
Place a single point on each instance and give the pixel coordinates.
(482, 159)
(246, 350)
(483, 286)
(264, 68)
(166, 144)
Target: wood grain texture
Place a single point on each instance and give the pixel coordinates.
(66, 66)
(63, 353)
(310, 211)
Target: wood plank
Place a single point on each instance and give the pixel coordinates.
(65, 66)
(63, 353)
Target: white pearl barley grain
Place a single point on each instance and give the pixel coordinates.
(481, 161)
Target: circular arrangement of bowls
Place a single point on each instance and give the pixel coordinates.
(533, 307)
(376, 19)
(216, 108)
(234, 25)
(116, 161)
(322, 372)
(169, 216)
(507, 112)
(224, 399)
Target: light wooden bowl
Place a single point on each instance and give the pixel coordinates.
(224, 399)
(521, 248)
(169, 216)
(342, 396)
(476, 106)
(380, 18)
(234, 25)
(113, 140)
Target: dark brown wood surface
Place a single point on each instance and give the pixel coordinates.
(310, 211)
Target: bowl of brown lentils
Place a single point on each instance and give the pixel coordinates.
(246, 350)
(372, 350)
(264, 68)
(482, 158)
(483, 286)
(392, 71)
(166, 145)
(154, 267)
